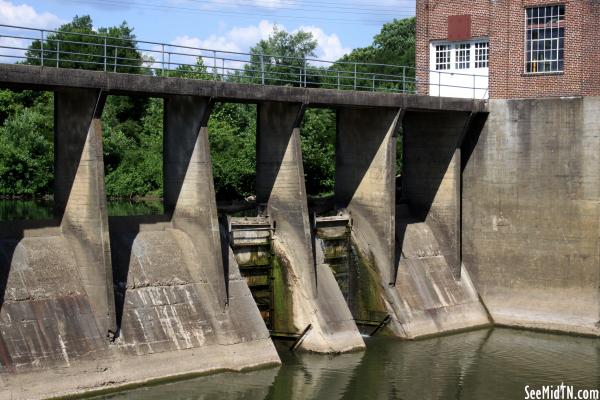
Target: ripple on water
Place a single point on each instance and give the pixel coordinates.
(485, 364)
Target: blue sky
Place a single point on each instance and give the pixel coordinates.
(234, 25)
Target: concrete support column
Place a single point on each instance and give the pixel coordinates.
(432, 176)
(315, 294)
(189, 191)
(280, 180)
(365, 179)
(80, 197)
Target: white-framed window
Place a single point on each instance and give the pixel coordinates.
(463, 56)
(545, 39)
(482, 54)
(459, 69)
(442, 57)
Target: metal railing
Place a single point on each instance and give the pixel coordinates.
(124, 55)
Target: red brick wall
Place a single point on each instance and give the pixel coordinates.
(504, 21)
(591, 53)
(432, 24)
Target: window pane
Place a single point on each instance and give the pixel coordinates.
(544, 37)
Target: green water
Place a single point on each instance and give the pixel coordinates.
(479, 365)
(41, 209)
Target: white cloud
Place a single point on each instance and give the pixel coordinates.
(13, 49)
(239, 39)
(25, 15)
(329, 47)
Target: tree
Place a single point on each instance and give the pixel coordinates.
(393, 46)
(280, 59)
(26, 149)
(77, 45)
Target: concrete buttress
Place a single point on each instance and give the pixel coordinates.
(316, 297)
(189, 191)
(80, 198)
(411, 263)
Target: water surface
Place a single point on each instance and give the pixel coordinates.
(486, 364)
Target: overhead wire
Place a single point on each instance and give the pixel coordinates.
(154, 6)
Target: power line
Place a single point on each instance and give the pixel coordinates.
(153, 6)
(294, 4)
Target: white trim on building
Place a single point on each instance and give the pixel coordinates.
(459, 69)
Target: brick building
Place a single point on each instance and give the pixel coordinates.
(527, 48)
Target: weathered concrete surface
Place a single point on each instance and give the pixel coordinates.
(431, 176)
(32, 77)
(169, 270)
(428, 299)
(189, 189)
(172, 302)
(316, 297)
(57, 307)
(531, 213)
(80, 198)
(411, 263)
(365, 177)
(46, 319)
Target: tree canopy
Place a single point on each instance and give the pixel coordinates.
(133, 127)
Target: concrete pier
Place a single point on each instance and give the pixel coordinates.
(316, 297)
(80, 199)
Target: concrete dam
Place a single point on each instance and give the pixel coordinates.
(495, 220)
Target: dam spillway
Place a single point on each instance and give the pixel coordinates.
(87, 297)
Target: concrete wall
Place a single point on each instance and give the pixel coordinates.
(58, 307)
(413, 248)
(316, 297)
(530, 213)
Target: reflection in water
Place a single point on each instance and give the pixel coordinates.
(17, 210)
(485, 364)
(42, 209)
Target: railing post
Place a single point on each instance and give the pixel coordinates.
(374, 81)
(214, 65)
(169, 63)
(57, 53)
(338, 79)
(42, 48)
(115, 69)
(474, 86)
(105, 50)
(403, 79)
(439, 84)
(262, 69)
(163, 60)
(355, 83)
(305, 79)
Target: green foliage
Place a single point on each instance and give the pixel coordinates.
(394, 46)
(281, 57)
(132, 130)
(26, 146)
(198, 71)
(318, 132)
(72, 48)
(232, 137)
(133, 127)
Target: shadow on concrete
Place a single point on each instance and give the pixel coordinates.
(430, 142)
(354, 152)
(70, 135)
(271, 146)
(225, 246)
(11, 234)
(123, 232)
(178, 143)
